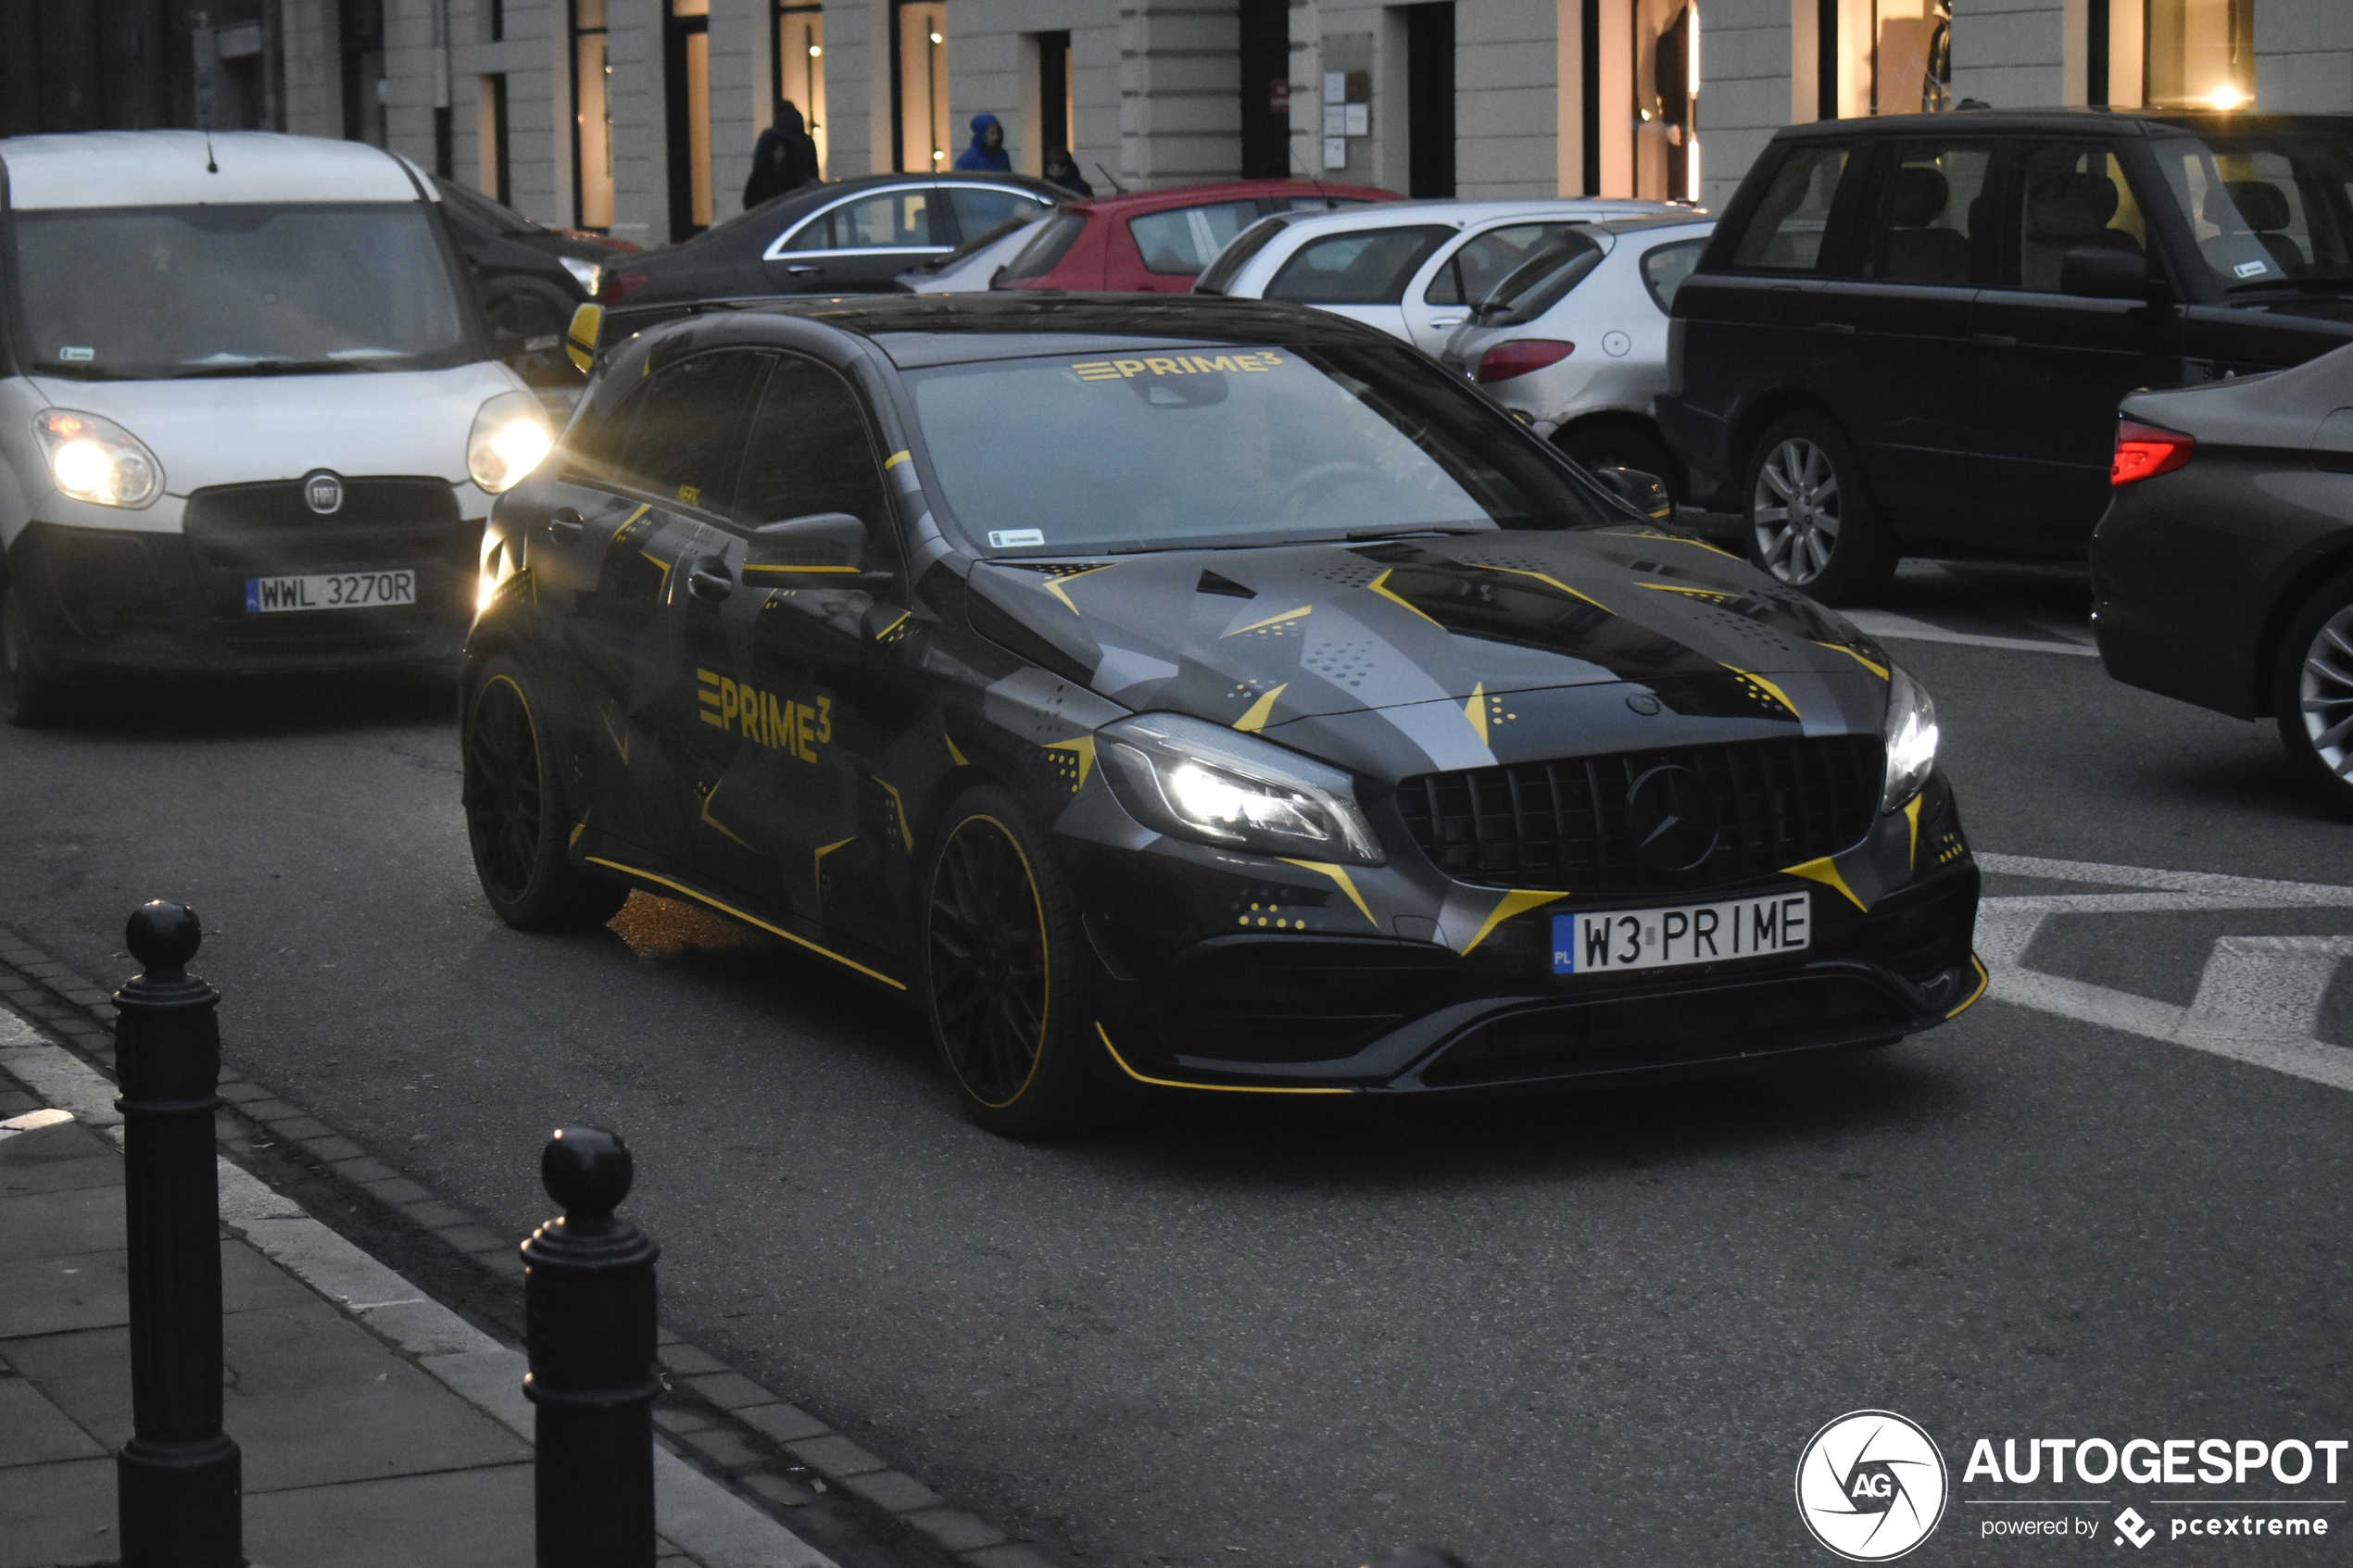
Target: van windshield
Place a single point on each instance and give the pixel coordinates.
(160, 293)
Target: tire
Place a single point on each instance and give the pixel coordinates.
(28, 699)
(2312, 692)
(1811, 520)
(1602, 443)
(516, 819)
(1005, 977)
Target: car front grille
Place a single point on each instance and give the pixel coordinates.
(1565, 825)
(240, 530)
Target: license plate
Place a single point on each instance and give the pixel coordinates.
(345, 590)
(1614, 940)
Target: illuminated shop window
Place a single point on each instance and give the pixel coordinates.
(2200, 53)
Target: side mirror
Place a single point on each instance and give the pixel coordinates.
(820, 545)
(2097, 273)
(1645, 493)
(580, 338)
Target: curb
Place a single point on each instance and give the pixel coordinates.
(730, 1455)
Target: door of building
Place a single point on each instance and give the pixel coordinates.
(686, 56)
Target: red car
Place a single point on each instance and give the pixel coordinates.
(1157, 241)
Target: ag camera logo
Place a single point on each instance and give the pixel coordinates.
(1872, 1486)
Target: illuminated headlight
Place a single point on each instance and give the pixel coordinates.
(1211, 785)
(587, 275)
(95, 459)
(1911, 732)
(510, 436)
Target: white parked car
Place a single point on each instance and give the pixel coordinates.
(972, 268)
(1575, 339)
(1412, 268)
(250, 417)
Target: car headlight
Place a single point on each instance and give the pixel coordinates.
(587, 275)
(1910, 734)
(510, 436)
(1201, 781)
(95, 459)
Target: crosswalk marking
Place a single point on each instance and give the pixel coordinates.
(2259, 997)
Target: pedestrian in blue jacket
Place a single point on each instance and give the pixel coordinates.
(987, 150)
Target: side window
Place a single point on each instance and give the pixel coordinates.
(1785, 232)
(809, 452)
(1665, 266)
(899, 220)
(1220, 274)
(2065, 196)
(1370, 266)
(978, 208)
(1183, 241)
(1472, 272)
(1931, 205)
(686, 436)
(1047, 246)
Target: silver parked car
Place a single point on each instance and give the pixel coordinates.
(1574, 340)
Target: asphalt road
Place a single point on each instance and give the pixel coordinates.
(1584, 1330)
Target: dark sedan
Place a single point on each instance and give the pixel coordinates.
(1193, 695)
(848, 236)
(2222, 573)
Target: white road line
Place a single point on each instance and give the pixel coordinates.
(2265, 987)
(1887, 623)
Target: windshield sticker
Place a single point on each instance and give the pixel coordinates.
(1183, 364)
(2251, 269)
(1015, 538)
(76, 355)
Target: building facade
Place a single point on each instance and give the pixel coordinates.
(638, 117)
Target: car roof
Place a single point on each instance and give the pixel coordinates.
(1700, 222)
(1462, 214)
(1226, 190)
(914, 330)
(94, 169)
(2114, 121)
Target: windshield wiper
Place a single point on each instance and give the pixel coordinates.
(275, 368)
(1409, 531)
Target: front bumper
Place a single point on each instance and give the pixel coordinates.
(100, 601)
(1316, 1007)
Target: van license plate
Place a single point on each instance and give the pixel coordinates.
(346, 590)
(1613, 940)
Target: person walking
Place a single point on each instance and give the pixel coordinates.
(1060, 171)
(785, 158)
(987, 149)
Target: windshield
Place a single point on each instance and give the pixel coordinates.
(1540, 282)
(2268, 206)
(1222, 445)
(190, 290)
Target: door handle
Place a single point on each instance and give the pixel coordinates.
(708, 580)
(802, 269)
(565, 526)
(1992, 340)
(1837, 328)
(1445, 320)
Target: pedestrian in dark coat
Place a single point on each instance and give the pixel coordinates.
(785, 158)
(987, 150)
(1060, 171)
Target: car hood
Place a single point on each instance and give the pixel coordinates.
(1261, 638)
(235, 429)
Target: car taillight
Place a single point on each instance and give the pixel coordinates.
(620, 286)
(1520, 356)
(2145, 451)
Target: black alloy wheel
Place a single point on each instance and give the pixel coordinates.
(28, 699)
(1006, 990)
(515, 818)
(1812, 522)
(2312, 692)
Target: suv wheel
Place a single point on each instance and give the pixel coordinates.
(27, 697)
(1810, 519)
(2312, 691)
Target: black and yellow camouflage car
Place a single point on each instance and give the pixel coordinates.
(1192, 696)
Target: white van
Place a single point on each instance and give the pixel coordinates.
(250, 417)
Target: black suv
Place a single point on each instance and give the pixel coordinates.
(1910, 334)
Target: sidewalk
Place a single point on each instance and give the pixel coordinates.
(378, 1428)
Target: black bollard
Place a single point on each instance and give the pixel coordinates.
(179, 1481)
(588, 1315)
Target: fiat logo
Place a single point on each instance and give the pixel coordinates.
(322, 492)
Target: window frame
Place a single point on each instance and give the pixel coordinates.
(2141, 176)
(1404, 287)
(779, 248)
(610, 472)
(1838, 257)
(772, 357)
(1985, 250)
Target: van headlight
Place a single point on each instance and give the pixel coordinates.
(509, 439)
(1910, 734)
(1203, 782)
(95, 459)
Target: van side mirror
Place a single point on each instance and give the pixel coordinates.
(1645, 493)
(2097, 273)
(820, 545)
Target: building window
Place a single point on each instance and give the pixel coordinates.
(800, 67)
(491, 138)
(1911, 55)
(920, 131)
(2201, 53)
(591, 118)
